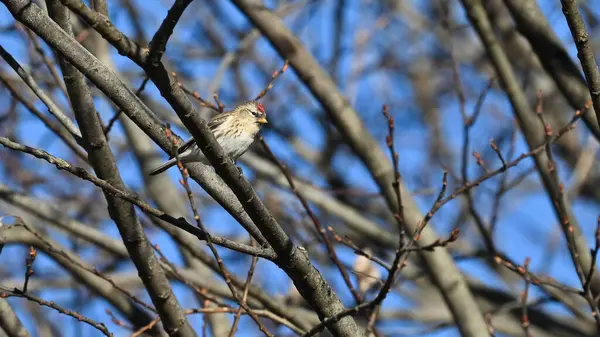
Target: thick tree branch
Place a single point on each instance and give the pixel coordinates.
(122, 212)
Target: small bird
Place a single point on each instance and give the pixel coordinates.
(234, 130)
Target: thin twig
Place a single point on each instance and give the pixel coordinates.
(315, 220)
(220, 104)
(5, 293)
(29, 264)
(558, 198)
(357, 250)
(195, 95)
(117, 321)
(524, 317)
(273, 78)
(534, 279)
(245, 294)
(399, 213)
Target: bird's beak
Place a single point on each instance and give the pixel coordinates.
(262, 120)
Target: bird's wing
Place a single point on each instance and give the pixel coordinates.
(212, 125)
(216, 121)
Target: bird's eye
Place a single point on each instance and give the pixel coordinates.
(256, 109)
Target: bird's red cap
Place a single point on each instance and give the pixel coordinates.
(260, 107)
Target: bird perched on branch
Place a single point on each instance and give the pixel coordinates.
(234, 130)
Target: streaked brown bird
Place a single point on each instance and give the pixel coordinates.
(234, 130)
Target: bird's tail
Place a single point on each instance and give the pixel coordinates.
(162, 168)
